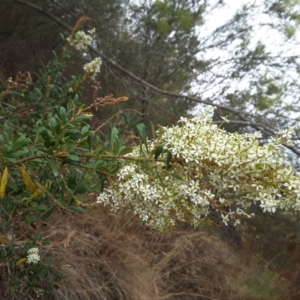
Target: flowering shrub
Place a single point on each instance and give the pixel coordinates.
(50, 158)
(200, 167)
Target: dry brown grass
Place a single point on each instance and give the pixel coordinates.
(111, 257)
(104, 262)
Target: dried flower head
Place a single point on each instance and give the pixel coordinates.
(80, 22)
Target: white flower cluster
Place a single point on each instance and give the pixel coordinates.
(210, 168)
(80, 40)
(92, 68)
(33, 255)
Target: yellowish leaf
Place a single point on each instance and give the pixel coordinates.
(27, 180)
(37, 193)
(3, 240)
(47, 184)
(20, 261)
(3, 183)
(79, 112)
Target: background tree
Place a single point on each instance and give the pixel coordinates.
(157, 41)
(257, 68)
(167, 44)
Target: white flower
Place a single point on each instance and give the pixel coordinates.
(92, 68)
(33, 255)
(268, 206)
(80, 40)
(225, 219)
(210, 167)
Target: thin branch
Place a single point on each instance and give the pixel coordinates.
(245, 123)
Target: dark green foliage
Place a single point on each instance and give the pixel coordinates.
(49, 159)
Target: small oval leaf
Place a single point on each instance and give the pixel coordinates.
(62, 113)
(27, 180)
(21, 261)
(47, 213)
(3, 183)
(77, 209)
(158, 151)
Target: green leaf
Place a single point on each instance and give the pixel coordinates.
(142, 131)
(57, 129)
(7, 132)
(99, 147)
(47, 213)
(124, 150)
(71, 182)
(41, 275)
(73, 135)
(7, 150)
(12, 185)
(73, 157)
(84, 117)
(169, 157)
(152, 130)
(77, 209)
(159, 177)
(176, 176)
(11, 160)
(76, 99)
(114, 141)
(63, 114)
(52, 165)
(45, 135)
(100, 163)
(114, 132)
(20, 153)
(84, 130)
(38, 94)
(22, 141)
(114, 169)
(70, 106)
(81, 189)
(72, 160)
(114, 147)
(52, 122)
(158, 151)
(40, 207)
(102, 169)
(102, 179)
(160, 132)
